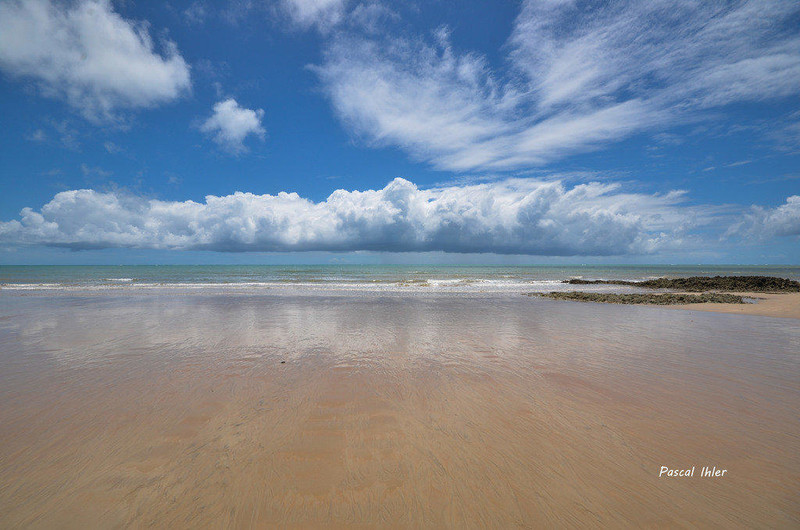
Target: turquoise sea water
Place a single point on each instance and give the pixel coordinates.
(350, 277)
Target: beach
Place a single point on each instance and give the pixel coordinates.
(780, 305)
(234, 408)
(361, 264)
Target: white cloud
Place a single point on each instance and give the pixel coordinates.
(195, 14)
(111, 147)
(89, 55)
(67, 134)
(766, 223)
(322, 14)
(371, 16)
(37, 136)
(230, 125)
(578, 78)
(518, 216)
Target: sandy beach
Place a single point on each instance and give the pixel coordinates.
(356, 264)
(197, 410)
(782, 305)
(779, 305)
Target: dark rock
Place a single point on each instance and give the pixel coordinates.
(655, 299)
(760, 284)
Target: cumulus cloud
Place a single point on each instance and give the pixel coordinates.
(518, 216)
(766, 223)
(231, 124)
(89, 55)
(579, 76)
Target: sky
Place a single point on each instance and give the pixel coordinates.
(348, 131)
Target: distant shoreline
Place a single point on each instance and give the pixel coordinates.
(385, 279)
(775, 297)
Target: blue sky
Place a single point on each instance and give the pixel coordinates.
(547, 131)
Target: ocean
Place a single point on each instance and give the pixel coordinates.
(404, 278)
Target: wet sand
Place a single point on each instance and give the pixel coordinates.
(178, 410)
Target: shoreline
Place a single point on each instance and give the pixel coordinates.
(777, 305)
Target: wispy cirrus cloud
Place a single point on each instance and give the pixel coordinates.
(578, 77)
(195, 14)
(517, 216)
(322, 14)
(89, 55)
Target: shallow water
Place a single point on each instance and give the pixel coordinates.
(220, 409)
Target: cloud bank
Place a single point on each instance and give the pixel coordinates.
(578, 76)
(767, 223)
(231, 124)
(89, 55)
(518, 216)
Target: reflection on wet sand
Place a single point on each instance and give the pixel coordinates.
(175, 410)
